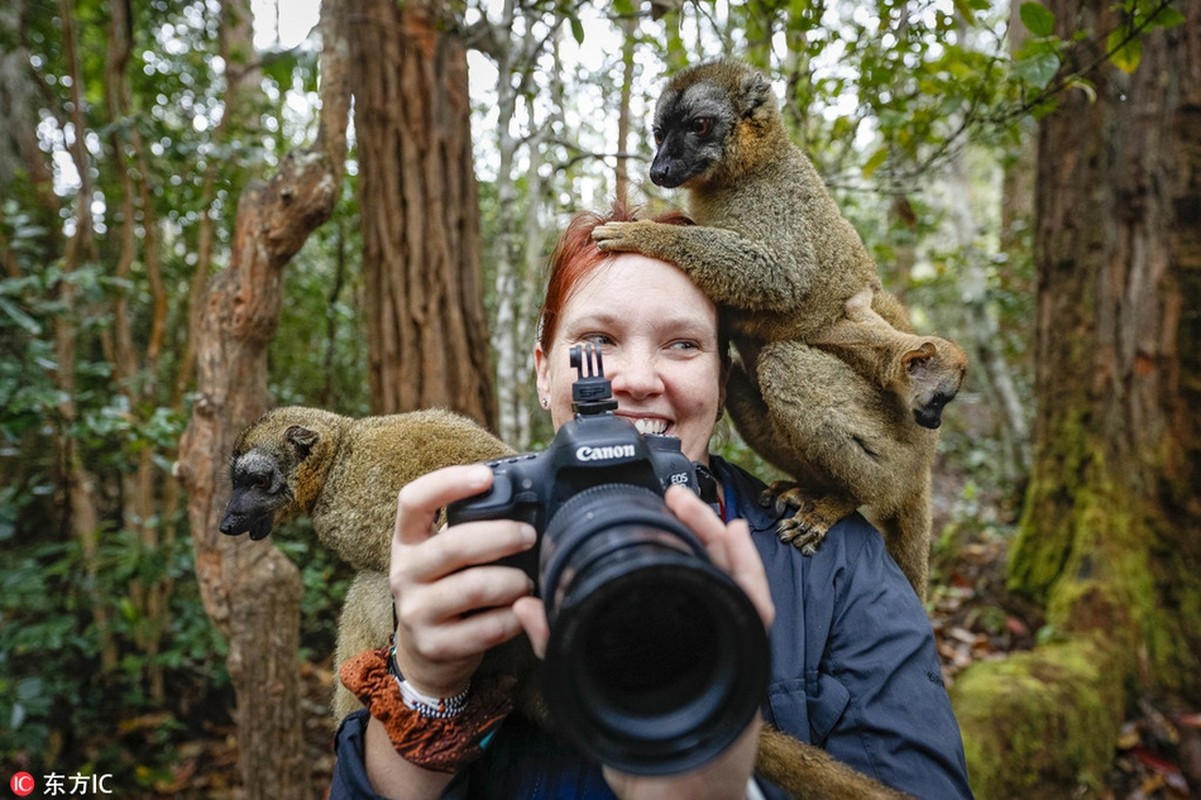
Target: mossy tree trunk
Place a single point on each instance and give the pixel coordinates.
(1110, 541)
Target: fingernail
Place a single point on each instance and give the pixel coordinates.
(478, 475)
(528, 534)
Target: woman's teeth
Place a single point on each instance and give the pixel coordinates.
(645, 426)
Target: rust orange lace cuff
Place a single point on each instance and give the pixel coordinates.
(444, 744)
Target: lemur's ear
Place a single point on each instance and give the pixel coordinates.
(301, 440)
(916, 359)
(754, 94)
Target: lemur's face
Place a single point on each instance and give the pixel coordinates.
(658, 336)
(935, 375)
(259, 489)
(691, 129)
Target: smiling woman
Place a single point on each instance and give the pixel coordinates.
(663, 348)
(853, 689)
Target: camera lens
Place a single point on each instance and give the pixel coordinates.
(657, 660)
(651, 653)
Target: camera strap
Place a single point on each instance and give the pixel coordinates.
(707, 483)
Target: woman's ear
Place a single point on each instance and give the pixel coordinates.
(542, 369)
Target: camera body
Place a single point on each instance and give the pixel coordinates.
(656, 660)
(594, 449)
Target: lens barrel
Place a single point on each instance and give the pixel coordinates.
(657, 660)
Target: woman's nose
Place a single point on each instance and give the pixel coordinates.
(635, 375)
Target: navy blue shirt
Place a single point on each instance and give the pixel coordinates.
(854, 671)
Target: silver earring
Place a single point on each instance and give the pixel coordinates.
(545, 401)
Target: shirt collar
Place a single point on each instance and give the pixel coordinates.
(742, 492)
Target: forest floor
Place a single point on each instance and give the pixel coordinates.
(973, 617)
(976, 619)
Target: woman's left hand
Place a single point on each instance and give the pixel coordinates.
(730, 548)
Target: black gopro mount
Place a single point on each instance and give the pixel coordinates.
(657, 660)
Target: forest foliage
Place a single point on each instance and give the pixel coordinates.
(119, 179)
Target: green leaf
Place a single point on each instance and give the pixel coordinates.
(1044, 108)
(19, 317)
(1086, 86)
(873, 163)
(577, 30)
(1038, 69)
(1127, 52)
(1037, 18)
(1167, 17)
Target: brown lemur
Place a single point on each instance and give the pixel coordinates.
(923, 373)
(849, 407)
(345, 475)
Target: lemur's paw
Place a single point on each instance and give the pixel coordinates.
(804, 530)
(623, 236)
(814, 514)
(767, 498)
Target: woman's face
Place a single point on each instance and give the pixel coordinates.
(658, 336)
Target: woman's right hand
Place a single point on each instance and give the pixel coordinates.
(452, 602)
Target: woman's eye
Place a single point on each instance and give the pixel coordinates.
(598, 339)
(684, 344)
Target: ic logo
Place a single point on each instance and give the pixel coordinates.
(22, 784)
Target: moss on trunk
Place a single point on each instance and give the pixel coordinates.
(1041, 724)
(1045, 723)
(1123, 602)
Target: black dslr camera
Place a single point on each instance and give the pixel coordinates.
(657, 660)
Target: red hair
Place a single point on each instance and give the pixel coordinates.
(576, 255)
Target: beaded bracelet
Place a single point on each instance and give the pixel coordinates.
(437, 741)
(426, 705)
(432, 707)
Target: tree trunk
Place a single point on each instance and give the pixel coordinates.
(81, 493)
(241, 118)
(136, 373)
(250, 590)
(1111, 537)
(427, 331)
